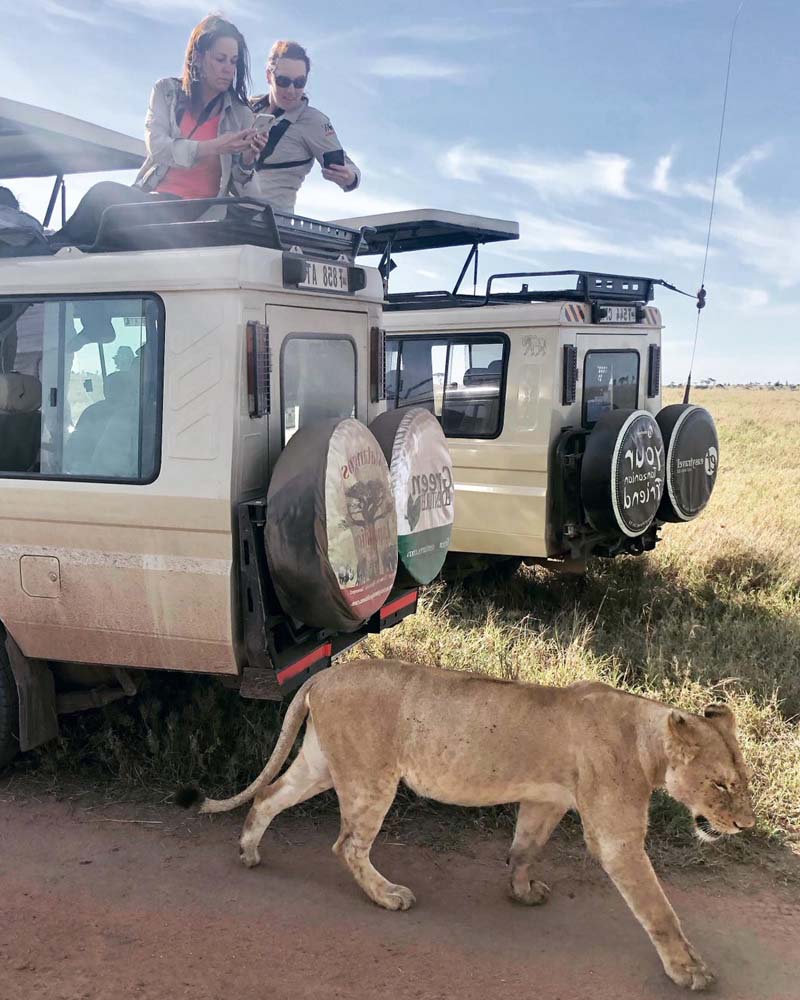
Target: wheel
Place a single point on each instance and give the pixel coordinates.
(9, 710)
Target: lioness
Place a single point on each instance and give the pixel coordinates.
(475, 741)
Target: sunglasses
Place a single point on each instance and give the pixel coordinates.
(286, 81)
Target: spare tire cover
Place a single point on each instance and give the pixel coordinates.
(622, 474)
(692, 449)
(422, 483)
(331, 531)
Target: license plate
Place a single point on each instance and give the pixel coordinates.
(618, 314)
(327, 277)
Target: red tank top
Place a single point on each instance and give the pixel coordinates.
(203, 179)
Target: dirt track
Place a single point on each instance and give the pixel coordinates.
(92, 907)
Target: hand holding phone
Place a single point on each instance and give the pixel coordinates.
(263, 122)
(334, 157)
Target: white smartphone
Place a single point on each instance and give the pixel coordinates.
(262, 123)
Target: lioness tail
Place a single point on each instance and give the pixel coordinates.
(295, 717)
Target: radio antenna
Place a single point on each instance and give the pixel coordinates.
(701, 295)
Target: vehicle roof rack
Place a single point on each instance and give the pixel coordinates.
(590, 287)
(161, 225)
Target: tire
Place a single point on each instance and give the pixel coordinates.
(331, 531)
(9, 710)
(692, 460)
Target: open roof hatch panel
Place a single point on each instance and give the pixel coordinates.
(429, 229)
(35, 142)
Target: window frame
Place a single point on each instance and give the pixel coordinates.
(305, 335)
(608, 350)
(61, 477)
(469, 340)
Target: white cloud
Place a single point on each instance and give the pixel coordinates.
(414, 67)
(550, 235)
(552, 177)
(660, 180)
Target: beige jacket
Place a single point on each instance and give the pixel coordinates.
(167, 148)
(296, 139)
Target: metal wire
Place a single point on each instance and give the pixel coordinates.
(713, 196)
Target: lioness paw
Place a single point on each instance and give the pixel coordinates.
(250, 859)
(692, 973)
(530, 893)
(398, 897)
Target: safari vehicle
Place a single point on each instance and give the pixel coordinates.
(187, 478)
(548, 387)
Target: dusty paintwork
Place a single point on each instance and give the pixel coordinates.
(147, 575)
(503, 486)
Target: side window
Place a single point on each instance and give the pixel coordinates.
(318, 380)
(80, 387)
(610, 382)
(459, 379)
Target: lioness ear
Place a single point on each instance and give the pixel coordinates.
(681, 742)
(721, 716)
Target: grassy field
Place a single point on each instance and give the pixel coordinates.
(713, 613)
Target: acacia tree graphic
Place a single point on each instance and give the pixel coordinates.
(368, 504)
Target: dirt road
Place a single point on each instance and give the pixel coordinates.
(94, 906)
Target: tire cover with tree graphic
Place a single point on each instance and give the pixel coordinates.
(622, 473)
(692, 459)
(415, 447)
(331, 531)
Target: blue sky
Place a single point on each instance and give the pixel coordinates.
(594, 123)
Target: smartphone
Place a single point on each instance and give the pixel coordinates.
(262, 123)
(334, 156)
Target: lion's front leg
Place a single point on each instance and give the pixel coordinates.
(535, 822)
(629, 868)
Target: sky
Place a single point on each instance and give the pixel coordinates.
(593, 123)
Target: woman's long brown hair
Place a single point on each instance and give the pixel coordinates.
(207, 32)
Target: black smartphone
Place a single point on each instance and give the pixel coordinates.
(334, 156)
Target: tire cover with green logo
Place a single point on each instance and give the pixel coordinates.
(692, 450)
(622, 473)
(331, 530)
(422, 483)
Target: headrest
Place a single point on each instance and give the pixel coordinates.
(19, 393)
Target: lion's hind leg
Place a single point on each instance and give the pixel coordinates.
(308, 775)
(363, 810)
(535, 822)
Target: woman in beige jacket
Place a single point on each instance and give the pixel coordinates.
(198, 133)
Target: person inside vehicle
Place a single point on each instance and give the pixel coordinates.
(17, 228)
(198, 132)
(299, 135)
(124, 358)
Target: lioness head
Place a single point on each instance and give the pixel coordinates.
(706, 772)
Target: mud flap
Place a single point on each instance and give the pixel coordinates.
(38, 718)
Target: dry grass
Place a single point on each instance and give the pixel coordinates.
(713, 612)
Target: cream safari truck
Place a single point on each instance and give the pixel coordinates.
(548, 388)
(197, 469)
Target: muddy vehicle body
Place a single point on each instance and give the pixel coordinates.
(154, 388)
(548, 388)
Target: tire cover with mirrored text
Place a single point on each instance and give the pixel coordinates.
(692, 460)
(415, 447)
(331, 531)
(622, 472)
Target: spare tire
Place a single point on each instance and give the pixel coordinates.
(692, 450)
(622, 473)
(415, 447)
(331, 530)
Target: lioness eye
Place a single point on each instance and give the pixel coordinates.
(720, 787)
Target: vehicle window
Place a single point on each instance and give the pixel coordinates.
(80, 387)
(318, 377)
(610, 382)
(459, 379)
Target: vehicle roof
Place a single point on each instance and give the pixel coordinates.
(428, 229)
(35, 142)
(508, 315)
(72, 272)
